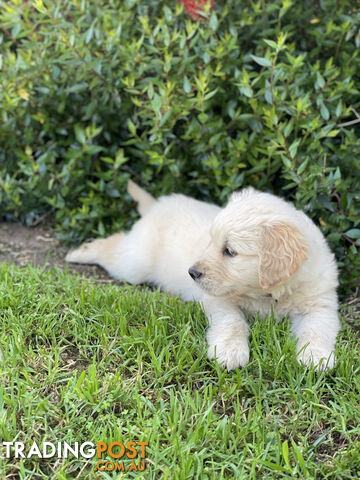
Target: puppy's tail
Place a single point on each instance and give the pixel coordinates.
(143, 198)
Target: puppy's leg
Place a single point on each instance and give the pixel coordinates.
(316, 335)
(125, 256)
(228, 333)
(100, 252)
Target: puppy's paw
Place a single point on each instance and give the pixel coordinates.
(84, 254)
(231, 353)
(71, 256)
(321, 358)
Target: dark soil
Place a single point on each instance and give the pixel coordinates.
(38, 246)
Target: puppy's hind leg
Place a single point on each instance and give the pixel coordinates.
(101, 251)
(125, 256)
(143, 198)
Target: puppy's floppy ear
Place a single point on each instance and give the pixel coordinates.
(282, 251)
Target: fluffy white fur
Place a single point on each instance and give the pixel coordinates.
(258, 254)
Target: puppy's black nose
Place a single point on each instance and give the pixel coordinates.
(194, 274)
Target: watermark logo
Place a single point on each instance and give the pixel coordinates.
(124, 457)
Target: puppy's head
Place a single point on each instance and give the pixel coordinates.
(252, 248)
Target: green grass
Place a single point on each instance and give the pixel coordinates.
(88, 362)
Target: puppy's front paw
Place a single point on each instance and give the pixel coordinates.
(319, 357)
(231, 353)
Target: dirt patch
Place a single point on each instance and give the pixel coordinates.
(38, 246)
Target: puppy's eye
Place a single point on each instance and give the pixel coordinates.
(229, 252)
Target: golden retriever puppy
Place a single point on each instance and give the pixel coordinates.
(258, 254)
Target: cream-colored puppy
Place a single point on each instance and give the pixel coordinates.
(258, 254)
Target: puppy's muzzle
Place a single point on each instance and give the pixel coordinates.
(194, 274)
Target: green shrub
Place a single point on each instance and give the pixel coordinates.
(261, 93)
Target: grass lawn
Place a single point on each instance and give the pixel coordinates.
(87, 362)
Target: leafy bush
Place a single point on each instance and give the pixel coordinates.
(261, 93)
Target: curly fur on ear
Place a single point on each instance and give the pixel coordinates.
(282, 251)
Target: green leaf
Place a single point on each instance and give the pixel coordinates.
(156, 102)
(339, 109)
(186, 85)
(150, 91)
(264, 62)
(298, 455)
(302, 167)
(203, 117)
(285, 453)
(271, 43)
(79, 133)
(294, 147)
(324, 112)
(101, 228)
(120, 158)
(80, 379)
(273, 466)
(353, 233)
(79, 87)
(287, 162)
(16, 30)
(131, 126)
(289, 128)
(320, 82)
(247, 91)
(213, 22)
